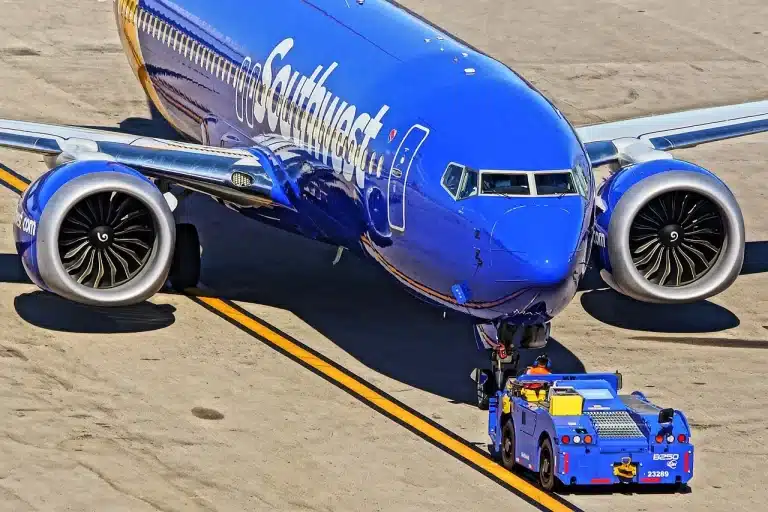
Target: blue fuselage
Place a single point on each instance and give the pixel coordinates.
(366, 107)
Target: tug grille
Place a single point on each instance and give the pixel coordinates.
(615, 425)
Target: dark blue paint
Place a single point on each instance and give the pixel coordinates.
(518, 258)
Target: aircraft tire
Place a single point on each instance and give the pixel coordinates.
(484, 390)
(185, 269)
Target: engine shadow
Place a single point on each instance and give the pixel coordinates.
(612, 308)
(355, 304)
(618, 310)
(46, 310)
(51, 312)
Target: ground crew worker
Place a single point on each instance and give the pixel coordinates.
(541, 366)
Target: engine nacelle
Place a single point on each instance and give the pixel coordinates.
(95, 232)
(670, 232)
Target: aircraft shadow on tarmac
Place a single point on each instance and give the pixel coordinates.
(363, 310)
(356, 305)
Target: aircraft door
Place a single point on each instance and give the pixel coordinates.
(398, 174)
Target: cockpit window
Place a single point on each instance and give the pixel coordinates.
(460, 181)
(504, 183)
(554, 183)
(452, 178)
(581, 183)
(468, 184)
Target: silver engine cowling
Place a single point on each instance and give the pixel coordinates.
(673, 237)
(103, 237)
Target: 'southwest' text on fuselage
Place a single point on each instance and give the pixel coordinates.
(303, 109)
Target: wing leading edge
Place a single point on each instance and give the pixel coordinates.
(202, 168)
(646, 138)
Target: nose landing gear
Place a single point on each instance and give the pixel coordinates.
(503, 344)
(488, 381)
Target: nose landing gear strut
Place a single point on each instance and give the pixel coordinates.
(502, 344)
(503, 366)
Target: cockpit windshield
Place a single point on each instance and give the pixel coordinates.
(462, 182)
(505, 183)
(554, 183)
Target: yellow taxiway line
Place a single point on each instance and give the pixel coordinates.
(364, 391)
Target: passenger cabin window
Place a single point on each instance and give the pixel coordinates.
(492, 183)
(548, 184)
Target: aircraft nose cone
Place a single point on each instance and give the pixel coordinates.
(539, 241)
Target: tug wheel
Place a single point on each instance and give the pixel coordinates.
(547, 478)
(508, 445)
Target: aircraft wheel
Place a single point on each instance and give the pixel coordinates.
(485, 388)
(185, 269)
(508, 445)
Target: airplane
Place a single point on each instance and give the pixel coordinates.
(360, 124)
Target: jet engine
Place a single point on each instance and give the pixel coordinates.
(669, 232)
(95, 232)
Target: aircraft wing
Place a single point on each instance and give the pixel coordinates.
(646, 138)
(202, 168)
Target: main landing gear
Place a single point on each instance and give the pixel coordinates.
(503, 344)
(185, 269)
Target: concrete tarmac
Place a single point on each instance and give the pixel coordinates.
(165, 406)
